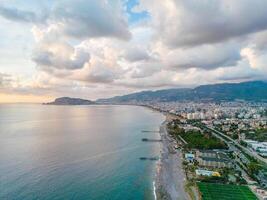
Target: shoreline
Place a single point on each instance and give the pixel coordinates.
(170, 178)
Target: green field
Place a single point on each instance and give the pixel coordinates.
(212, 191)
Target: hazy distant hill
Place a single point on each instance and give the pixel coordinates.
(70, 101)
(250, 91)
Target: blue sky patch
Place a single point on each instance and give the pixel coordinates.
(134, 17)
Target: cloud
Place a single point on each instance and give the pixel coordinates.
(15, 14)
(98, 74)
(130, 65)
(144, 69)
(258, 41)
(90, 18)
(256, 59)
(242, 72)
(196, 22)
(93, 58)
(76, 64)
(135, 54)
(60, 56)
(156, 80)
(85, 45)
(205, 56)
(78, 19)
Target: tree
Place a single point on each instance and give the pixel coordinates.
(253, 168)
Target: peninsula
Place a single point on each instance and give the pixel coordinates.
(70, 101)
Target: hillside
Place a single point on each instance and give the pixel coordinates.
(248, 91)
(70, 101)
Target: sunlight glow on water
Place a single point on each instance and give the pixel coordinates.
(76, 152)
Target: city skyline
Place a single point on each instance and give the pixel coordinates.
(96, 49)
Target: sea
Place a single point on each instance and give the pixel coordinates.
(90, 152)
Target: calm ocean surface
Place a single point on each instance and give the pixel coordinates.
(76, 152)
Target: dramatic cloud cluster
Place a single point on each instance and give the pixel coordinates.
(60, 56)
(196, 22)
(90, 18)
(107, 45)
(78, 19)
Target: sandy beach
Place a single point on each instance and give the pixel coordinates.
(170, 179)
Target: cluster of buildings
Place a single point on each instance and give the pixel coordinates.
(214, 159)
(210, 110)
(239, 124)
(237, 120)
(259, 147)
(209, 159)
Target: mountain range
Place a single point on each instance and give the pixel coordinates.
(247, 91)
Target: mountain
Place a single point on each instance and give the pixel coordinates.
(249, 91)
(70, 101)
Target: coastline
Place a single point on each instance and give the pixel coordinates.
(170, 176)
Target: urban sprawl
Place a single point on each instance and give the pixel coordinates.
(222, 143)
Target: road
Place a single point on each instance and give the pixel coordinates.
(246, 150)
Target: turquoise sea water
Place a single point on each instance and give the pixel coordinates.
(76, 152)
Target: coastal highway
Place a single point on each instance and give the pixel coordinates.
(246, 150)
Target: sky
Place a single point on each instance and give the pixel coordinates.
(102, 48)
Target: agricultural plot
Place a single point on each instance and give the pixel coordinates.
(212, 191)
